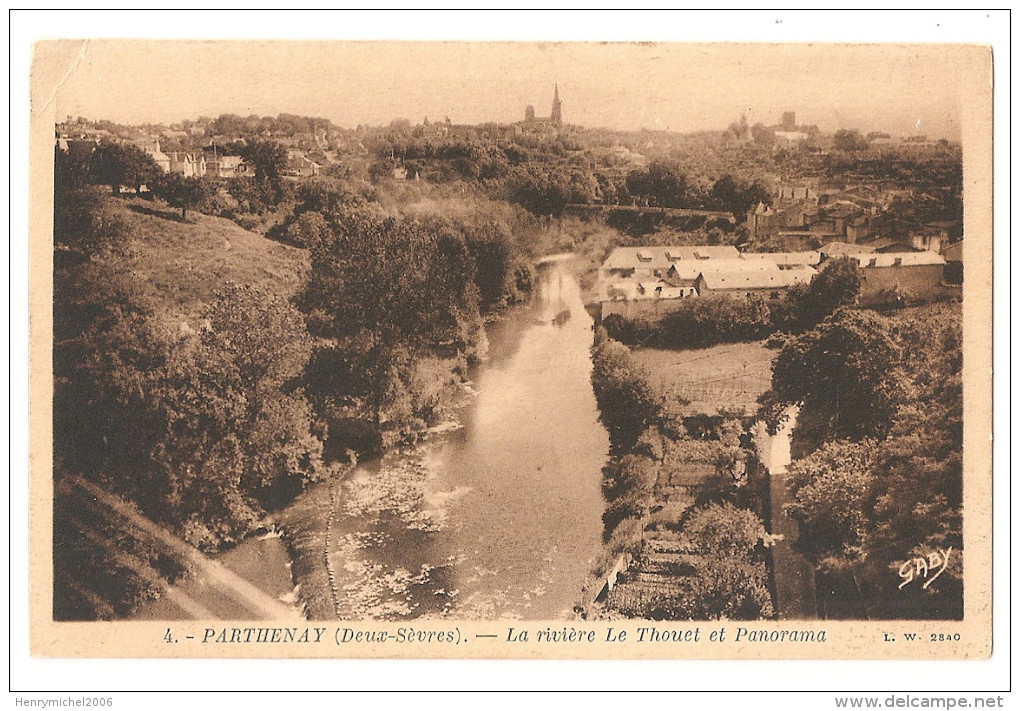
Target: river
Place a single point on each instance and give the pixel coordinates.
(498, 514)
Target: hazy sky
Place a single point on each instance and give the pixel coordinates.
(902, 89)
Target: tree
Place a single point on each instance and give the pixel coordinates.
(842, 374)
(883, 413)
(122, 165)
(269, 159)
(763, 136)
(837, 285)
(182, 191)
(626, 402)
(81, 220)
(305, 230)
(404, 280)
(204, 431)
(729, 578)
(628, 484)
(738, 197)
(849, 140)
(828, 498)
(387, 294)
(495, 256)
(915, 501)
(662, 182)
(738, 129)
(541, 193)
(261, 342)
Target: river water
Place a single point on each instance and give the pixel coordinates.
(497, 515)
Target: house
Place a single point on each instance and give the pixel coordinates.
(228, 167)
(794, 193)
(683, 273)
(908, 277)
(928, 240)
(761, 219)
(636, 281)
(190, 165)
(300, 166)
(625, 263)
(151, 147)
(737, 281)
(634, 262)
(663, 289)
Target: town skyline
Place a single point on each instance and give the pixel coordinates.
(616, 86)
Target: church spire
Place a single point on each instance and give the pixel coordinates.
(557, 110)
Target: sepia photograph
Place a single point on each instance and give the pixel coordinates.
(511, 349)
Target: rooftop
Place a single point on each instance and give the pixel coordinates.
(729, 278)
(839, 249)
(664, 257)
(905, 259)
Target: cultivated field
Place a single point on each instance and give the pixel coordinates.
(722, 378)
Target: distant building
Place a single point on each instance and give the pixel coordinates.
(736, 280)
(151, 146)
(557, 108)
(910, 277)
(298, 165)
(190, 165)
(636, 281)
(228, 167)
(790, 137)
(555, 117)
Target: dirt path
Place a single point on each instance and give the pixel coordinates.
(229, 595)
(794, 574)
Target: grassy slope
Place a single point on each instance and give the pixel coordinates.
(175, 269)
(181, 266)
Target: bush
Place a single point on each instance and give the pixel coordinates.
(625, 400)
(697, 323)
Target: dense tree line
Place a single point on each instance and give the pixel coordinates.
(210, 425)
(206, 430)
(879, 478)
(233, 125)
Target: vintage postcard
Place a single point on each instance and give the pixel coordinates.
(511, 350)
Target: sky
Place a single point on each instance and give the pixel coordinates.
(679, 86)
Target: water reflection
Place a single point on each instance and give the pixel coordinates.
(501, 517)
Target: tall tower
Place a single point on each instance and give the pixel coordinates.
(557, 111)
